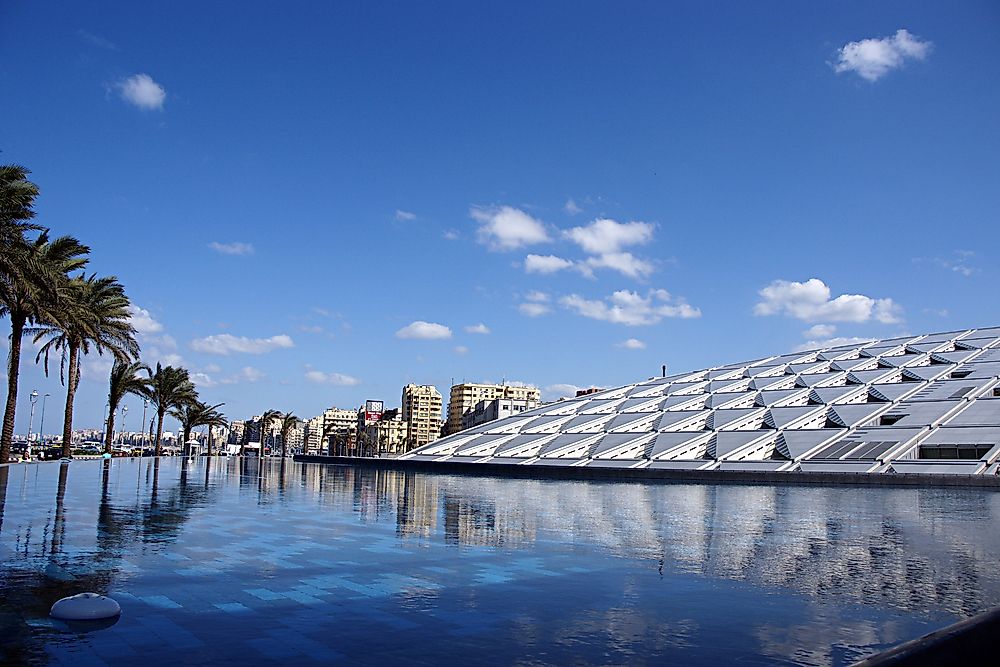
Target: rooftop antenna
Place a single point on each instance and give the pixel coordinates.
(664, 370)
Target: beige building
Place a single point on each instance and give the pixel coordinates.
(312, 437)
(465, 397)
(342, 427)
(387, 436)
(421, 412)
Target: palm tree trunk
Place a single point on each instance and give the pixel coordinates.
(210, 441)
(187, 436)
(13, 369)
(159, 430)
(74, 380)
(109, 435)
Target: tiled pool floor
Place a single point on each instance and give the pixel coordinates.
(216, 563)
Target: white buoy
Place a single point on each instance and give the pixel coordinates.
(85, 607)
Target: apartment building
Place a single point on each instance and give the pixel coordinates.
(421, 412)
(464, 398)
(498, 408)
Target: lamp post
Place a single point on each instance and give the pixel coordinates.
(124, 414)
(145, 404)
(41, 423)
(33, 397)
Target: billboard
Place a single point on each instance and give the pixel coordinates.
(373, 411)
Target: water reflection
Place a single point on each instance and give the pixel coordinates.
(928, 554)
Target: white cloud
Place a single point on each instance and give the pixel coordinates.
(810, 301)
(140, 90)
(831, 342)
(477, 329)
(533, 309)
(607, 236)
(508, 228)
(96, 367)
(624, 263)
(545, 264)
(227, 344)
(554, 391)
(461, 349)
(630, 308)
(96, 40)
(311, 328)
(819, 331)
(451, 235)
(571, 207)
(234, 248)
(424, 331)
(143, 321)
(405, 216)
(339, 379)
(247, 374)
(632, 344)
(537, 296)
(873, 58)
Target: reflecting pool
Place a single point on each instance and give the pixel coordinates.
(222, 562)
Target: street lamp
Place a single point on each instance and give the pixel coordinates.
(41, 424)
(33, 397)
(145, 404)
(124, 414)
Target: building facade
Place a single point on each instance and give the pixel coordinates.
(464, 398)
(498, 408)
(421, 411)
(387, 436)
(340, 430)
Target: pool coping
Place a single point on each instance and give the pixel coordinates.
(542, 471)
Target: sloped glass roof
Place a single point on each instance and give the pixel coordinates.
(855, 408)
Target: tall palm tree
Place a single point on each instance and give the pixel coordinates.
(211, 419)
(95, 314)
(288, 422)
(265, 425)
(125, 379)
(33, 281)
(168, 388)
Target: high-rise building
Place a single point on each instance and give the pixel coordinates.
(465, 397)
(422, 413)
(342, 427)
(312, 437)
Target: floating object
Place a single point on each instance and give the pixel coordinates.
(105, 455)
(85, 607)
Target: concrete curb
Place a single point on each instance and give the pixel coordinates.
(967, 642)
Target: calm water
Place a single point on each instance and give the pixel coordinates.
(221, 563)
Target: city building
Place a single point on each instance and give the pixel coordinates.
(340, 430)
(312, 437)
(587, 392)
(464, 398)
(498, 408)
(421, 411)
(387, 436)
(927, 404)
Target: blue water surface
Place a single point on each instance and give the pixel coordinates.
(224, 562)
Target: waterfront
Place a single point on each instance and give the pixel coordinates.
(214, 562)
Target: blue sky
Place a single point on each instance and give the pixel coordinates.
(316, 203)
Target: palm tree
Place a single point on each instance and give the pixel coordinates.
(332, 431)
(288, 422)
(95, 314)
(168, 388)
(211, 419)
(33, 280)
(125, 379)
(265, 424)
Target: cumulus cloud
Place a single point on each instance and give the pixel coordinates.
(810, 301)
(247, 374)
(559, 390)
(873, 58)
(607, 236)
(234, 248)
(537, 296)
(831, 342)
(143, 321)
(819, 331)
(477, 329)
(571, 207)
(630, 308)
(226, 344)
(405, 216)
(533, 309)
(508, 228)
(546, 264)
(450, 235)
(141, 91)
(624, 263)
(632, 344)
(421, 330)
(338, 379)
